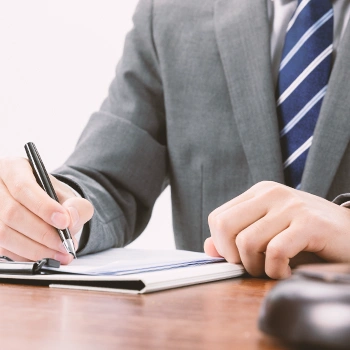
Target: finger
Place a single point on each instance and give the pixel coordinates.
(252, 241)
(259, 188)
(228, 224)
(13, 241)
(281, 249)
(13, 256)
(233, 202)
(80, 210)
(20, 219)
(21, 184)
(209, 248)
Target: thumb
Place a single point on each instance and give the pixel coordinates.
(210, 249)
(80, 211)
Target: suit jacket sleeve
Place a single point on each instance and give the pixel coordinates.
(120, 161)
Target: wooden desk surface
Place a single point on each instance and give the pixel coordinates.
(220, 315)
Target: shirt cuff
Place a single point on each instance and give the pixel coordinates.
(345, 204)
(343, 200)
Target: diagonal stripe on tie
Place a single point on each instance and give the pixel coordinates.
(305, 146)
(300, 7)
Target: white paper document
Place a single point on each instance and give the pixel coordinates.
(120, 261)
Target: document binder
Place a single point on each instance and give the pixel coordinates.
(123, 270)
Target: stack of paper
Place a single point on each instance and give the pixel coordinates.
(121, 261)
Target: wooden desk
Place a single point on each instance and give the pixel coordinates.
(221, 315)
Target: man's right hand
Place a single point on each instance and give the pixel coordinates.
(28, 216)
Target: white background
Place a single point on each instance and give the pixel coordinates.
(57, 59)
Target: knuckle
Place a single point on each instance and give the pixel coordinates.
(306, 219)
(277, 190)
(247, 240)
(9, 213)
(265, 184)
(19, 188)
(313, 216)
(219, 224)
(46, 237)
(39, 206)
(211, 218)
(295, 203)
(244, 242)
(275, 252)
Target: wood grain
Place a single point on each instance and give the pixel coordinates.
(221, 315)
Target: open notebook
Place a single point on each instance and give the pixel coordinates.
(128, 270)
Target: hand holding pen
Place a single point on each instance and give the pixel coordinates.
(29, 217)
(42, 178)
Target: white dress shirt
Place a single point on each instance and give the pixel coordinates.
(281, 11)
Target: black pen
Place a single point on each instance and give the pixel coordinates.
(43, 180)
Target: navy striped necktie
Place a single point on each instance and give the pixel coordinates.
(302, 83)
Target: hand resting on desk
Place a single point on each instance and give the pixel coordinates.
(269, 225)
(28, 215)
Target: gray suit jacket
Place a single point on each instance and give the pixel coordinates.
(193, 105)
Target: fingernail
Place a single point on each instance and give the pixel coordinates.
(74, 215)
(59, 220)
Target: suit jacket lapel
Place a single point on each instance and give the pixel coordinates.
(332, 132)
(243, 37)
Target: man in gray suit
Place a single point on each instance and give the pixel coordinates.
(193, 105)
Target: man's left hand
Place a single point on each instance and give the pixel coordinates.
(269, 224)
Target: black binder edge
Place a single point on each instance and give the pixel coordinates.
(135, 285)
